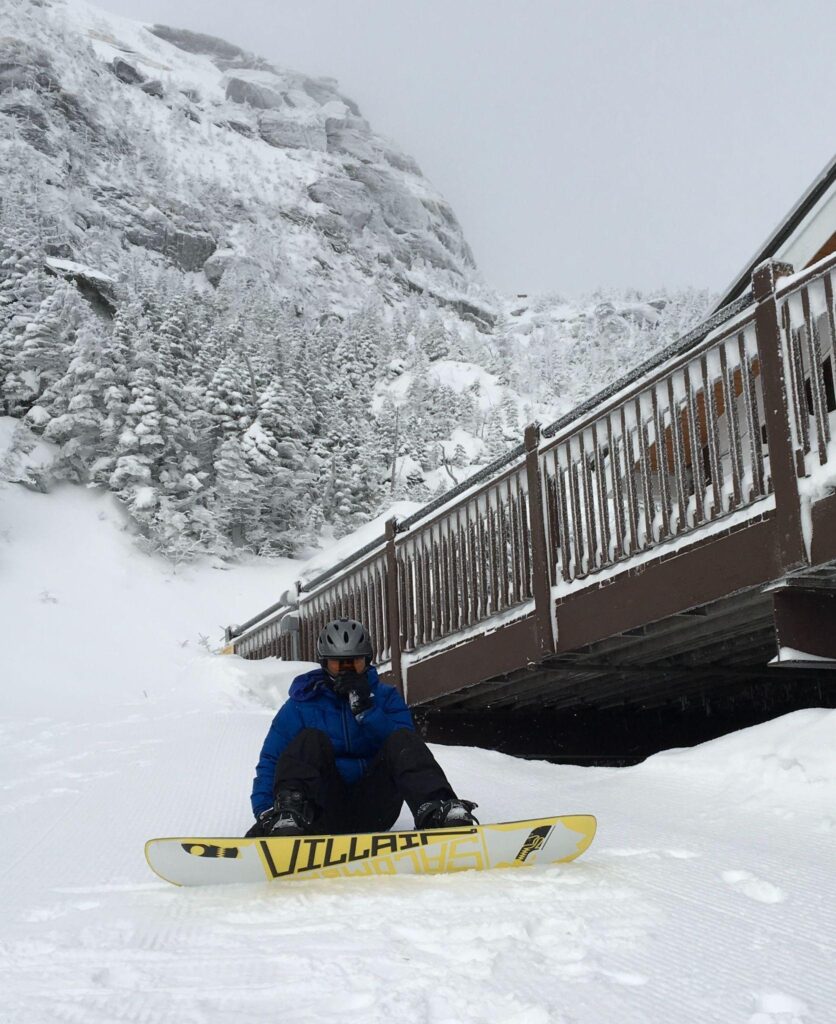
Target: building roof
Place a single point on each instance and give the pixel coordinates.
(799, 238)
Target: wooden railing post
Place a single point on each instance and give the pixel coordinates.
(783, 462)
(540, 574)
(392, 605)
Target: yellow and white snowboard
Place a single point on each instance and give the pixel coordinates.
(514, 844)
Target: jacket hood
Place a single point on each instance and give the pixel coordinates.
(309, 684)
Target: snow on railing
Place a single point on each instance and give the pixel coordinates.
(655, 459)
(467, 564)
(662, 459)
(806, 312)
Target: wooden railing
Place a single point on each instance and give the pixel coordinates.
(467, 563)
(809, 335)
(723, 422)
(660, 461)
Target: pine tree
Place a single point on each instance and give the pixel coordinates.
(141, 443)
(175, 333)
(113, 379)
(74, 404)
(236, 489)
(228, 403)
(44, 346)
(434, 340)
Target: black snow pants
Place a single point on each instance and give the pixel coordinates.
(403, 770)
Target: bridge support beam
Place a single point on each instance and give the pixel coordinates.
(805, 627)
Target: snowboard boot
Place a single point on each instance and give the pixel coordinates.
(445, 814)
(292, 814)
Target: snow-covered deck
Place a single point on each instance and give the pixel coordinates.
(720, 460)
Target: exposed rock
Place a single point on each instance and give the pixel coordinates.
(349, 199)
(22, 66)
(291, 133)
(60, 250)
(427, 248)
(238, 126)
(230, 264)
(126, 72)
(346, 208)
(402, 162)
(215, 267)
(33, 125)
(399, 208)
(189, 250)
(255, 94)
(153, 87)
(67, 104)
(197, 42)
(96, 287)
(483, 318)
(352, 137)
(334, 229)
(323, 90)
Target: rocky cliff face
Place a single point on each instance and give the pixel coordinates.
(162, 144)
(225, 298)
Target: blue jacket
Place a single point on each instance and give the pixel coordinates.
(312, 704)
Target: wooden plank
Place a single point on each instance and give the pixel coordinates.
(602, 498)
(631, 499)
(693, 426)
(435, 572)
(777, 410)
(644, 469)
(507, 648)
(484, 566)
(678, 460)
(513, 544)
(705, 571)
(752, 421)
(540, 577)
(493, 546)
(465, 577)
(714, 461)
(592, 557)
(796, 367)
(579, 569)
(816, 381)
(661, 466)
(731, 426)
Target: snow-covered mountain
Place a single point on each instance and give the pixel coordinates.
(225, 298)
(153, 141)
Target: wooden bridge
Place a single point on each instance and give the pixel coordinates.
(653, 569)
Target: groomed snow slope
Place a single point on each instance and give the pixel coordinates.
(708, 895)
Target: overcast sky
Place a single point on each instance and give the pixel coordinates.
(629, 143)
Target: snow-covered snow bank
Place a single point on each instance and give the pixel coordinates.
(708, 895)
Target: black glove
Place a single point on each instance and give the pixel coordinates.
(356, 690)
(262, 824)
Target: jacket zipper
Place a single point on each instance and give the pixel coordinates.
(344, 711)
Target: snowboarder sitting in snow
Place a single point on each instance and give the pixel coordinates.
(342, 754)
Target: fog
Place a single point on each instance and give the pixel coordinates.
(631, 144)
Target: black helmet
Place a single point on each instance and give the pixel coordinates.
(344, 638)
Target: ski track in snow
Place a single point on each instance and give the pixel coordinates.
(706, 898)
(643, 932)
